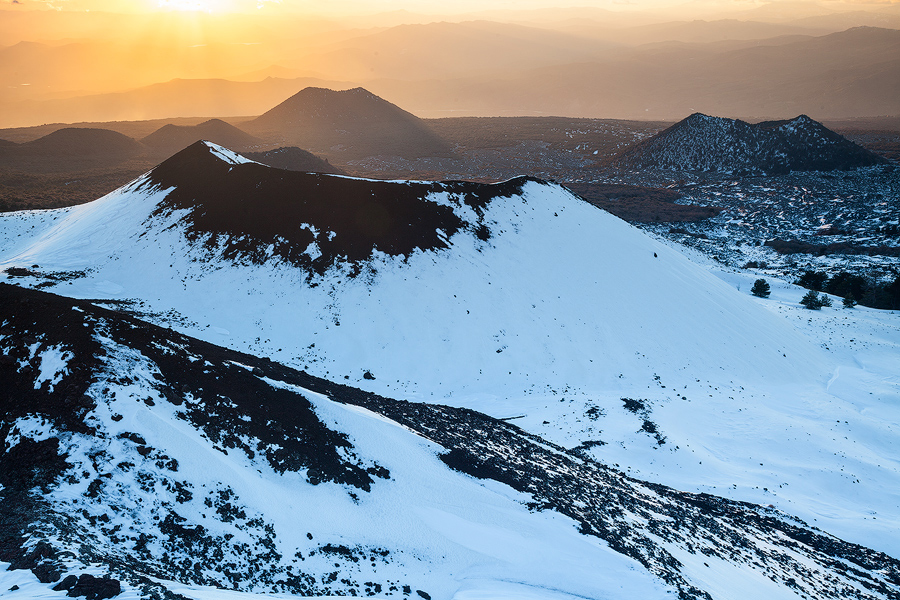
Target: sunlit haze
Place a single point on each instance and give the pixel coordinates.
(102, 60)
(428, 7)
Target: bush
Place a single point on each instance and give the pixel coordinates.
(813, 280)
(752, 264)
(813, 301)
(760, 288)
(849, 301)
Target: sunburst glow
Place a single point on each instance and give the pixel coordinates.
(208, 6)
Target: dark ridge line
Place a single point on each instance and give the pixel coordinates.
(251, 212)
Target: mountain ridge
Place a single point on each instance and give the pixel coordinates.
(345, 219)
(70, 149)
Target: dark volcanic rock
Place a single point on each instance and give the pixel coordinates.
(800, 247)
(94, 588)
(714, 144)
(220, 397)
(253, 212)
(641, 204)
(659, 527)
(228, 403)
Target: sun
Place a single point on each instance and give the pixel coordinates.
(207, 6)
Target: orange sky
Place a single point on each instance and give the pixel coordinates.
(420, 6)
(74, 50)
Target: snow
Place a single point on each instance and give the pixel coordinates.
(447, 532)
(564, 310)
(226, 155)
(54, 364)
(29, 588)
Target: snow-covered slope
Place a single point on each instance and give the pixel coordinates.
(717, 144)
(518, 300)
(139, 462)
(526, 287)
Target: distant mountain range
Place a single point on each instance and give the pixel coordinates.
(663, 71)
(351, 125)
(852, 73)
(715, 144)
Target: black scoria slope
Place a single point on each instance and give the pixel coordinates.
(251, 212)
(238, 402)
(715, 144)
(216, 393)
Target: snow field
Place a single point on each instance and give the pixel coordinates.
(564, 309)
(447, 532)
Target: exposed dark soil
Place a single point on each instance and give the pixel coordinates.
(244, 209)
(583, 136)
(883, 142)
(800, 247)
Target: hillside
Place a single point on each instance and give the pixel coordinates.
(704, 143)
(348, 125)
(170, 138)
(142, 462)
(166, 464)
(586, 332)
(69, 149)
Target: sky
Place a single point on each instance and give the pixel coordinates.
(378, 6)
(56, 55)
